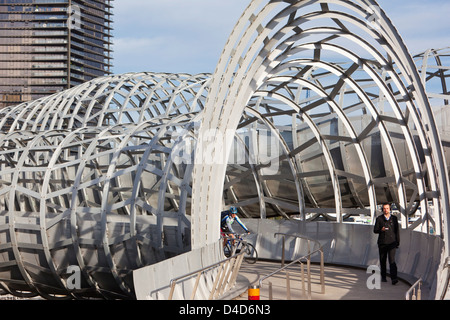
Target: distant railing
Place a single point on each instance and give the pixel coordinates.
(415, 292)
(224, 280)
(300, 260)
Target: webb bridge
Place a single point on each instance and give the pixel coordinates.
(316, 114)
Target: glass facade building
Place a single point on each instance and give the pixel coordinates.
(50, 45)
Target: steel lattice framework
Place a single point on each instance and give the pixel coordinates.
(87, 180)
(274, 47)
(127, 170)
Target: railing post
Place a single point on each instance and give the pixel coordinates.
(288, 286)
(172, 289)
(236, 268)
(222, 277)
(230, 274)
(308, 268)
(411, 293)
(322, 272)
(419, 293)
(224, 273)
(194, 291)
(216, 281)
(270, 291)
(303, 278)
(299, 260)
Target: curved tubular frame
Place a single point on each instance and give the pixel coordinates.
(128, 170)
(97, 183)
(249, 60)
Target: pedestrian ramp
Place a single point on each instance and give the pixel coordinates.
(341, 283)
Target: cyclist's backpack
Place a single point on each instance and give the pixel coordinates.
(223, 216)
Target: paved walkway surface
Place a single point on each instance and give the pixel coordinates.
(341, 283)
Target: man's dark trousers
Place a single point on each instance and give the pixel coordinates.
(388, 251)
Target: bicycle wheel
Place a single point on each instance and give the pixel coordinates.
(227, 250)
(250, 254)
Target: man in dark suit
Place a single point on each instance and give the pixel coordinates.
(386, 225)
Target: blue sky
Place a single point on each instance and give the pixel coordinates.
(177, 36)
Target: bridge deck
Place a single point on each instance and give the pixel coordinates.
(341, 283)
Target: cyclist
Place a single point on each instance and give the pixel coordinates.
(228, 217)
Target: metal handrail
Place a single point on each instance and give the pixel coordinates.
(411, 293)
(298, 260)
(225, 279)
(295, 236)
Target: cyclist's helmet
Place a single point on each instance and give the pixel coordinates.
(233, 210)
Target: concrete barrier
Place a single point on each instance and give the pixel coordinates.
(153, 282)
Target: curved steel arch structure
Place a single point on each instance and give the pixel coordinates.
(90, 177)
(342, 160)
(106, 101)
(128, 170)
(276, 45)
(433, 67)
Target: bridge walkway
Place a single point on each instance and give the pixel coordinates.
(341, 283)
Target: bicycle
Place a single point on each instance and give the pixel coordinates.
(236, 245)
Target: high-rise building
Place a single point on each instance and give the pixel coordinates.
(50, 45)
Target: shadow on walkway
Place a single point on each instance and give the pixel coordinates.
(341, 283)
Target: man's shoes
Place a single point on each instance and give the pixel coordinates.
(394, 281)
(383, 280)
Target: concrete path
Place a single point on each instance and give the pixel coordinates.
(341, 283)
